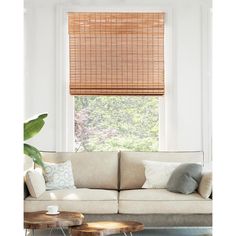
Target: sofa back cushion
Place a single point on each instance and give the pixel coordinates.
(90, 169)
(132, 172)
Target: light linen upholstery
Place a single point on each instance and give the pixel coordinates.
(35, 183)
(205, 186)
(90, 201)
(157, 173)
(132, 170)
(161, 201)
(90, 169)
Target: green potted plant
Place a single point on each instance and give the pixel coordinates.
(31, 128)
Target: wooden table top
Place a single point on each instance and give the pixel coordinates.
(40, 220)
(106, 228)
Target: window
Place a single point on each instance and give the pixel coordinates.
(113, 123)
(116, 54)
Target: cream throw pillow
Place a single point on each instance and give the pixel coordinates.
(35, 183)
(58, 175)
(158, 173)
(205, 186)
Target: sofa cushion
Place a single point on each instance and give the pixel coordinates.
(90, 201)
(58, 175)
(157, 173)
(90, 169)
(132, 170)
(35, 183)
(185, 178)
(161, 201)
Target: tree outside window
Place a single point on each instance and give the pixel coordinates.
(113, 123)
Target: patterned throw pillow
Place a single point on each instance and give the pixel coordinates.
(58, 175)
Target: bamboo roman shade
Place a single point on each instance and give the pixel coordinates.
(116, 53)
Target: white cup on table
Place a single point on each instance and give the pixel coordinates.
(53, 209)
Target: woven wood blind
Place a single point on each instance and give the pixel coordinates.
(116, 53)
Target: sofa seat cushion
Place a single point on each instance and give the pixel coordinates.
(88, 201)
(161, 201)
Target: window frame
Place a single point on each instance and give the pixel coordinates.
(65, 102)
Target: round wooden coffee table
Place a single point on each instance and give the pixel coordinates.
(40, 220)
(106, 228)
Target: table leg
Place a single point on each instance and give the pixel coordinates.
(50, 233)
(63, 232)
(130, 233)
(26, 231)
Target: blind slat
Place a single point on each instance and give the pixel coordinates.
(116, 53)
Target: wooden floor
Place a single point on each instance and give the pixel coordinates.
(147, 232)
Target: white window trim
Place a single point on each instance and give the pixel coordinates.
(206, 76)
(64, 101)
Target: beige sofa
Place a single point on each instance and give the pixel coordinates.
(108, 186)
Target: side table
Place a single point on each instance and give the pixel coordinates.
(106, 228)
(40, 220)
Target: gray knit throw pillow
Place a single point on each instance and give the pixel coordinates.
(185, 178)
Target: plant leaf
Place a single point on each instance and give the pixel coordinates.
(42, 116)
(32, 127)
(33, 153)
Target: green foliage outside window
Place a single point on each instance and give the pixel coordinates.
(113, 123)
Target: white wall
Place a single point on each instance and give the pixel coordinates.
(187, 105)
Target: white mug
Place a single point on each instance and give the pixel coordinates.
(52, 209)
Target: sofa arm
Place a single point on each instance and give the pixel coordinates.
(35, 183)
(205, 185)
